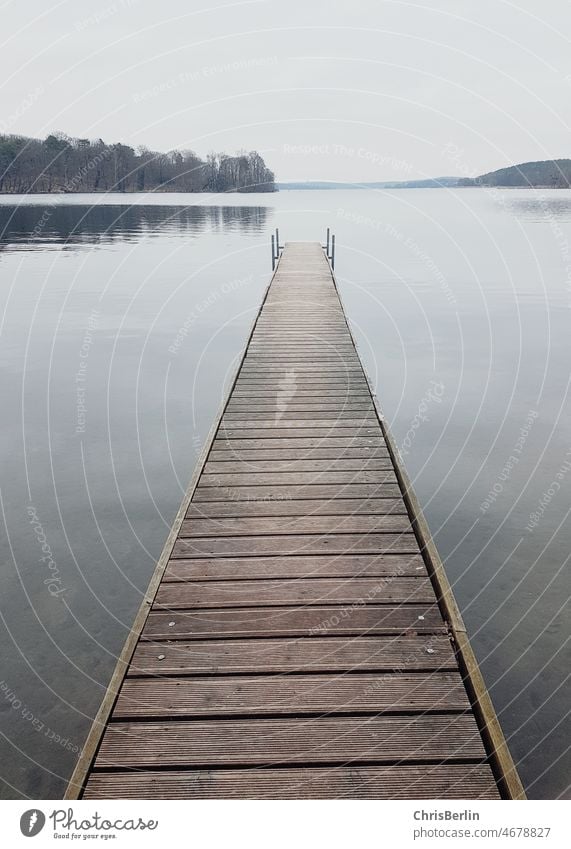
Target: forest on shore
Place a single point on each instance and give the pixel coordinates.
(546, 174)
(59, 163)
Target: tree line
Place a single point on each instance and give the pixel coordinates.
(63, 164)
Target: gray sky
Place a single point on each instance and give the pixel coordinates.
(346, 90)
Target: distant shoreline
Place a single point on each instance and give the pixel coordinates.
(60, 164)
(547, 174)
(128, 192)
(283, 187)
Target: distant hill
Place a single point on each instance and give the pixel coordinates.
(434, 183)
(551, 173)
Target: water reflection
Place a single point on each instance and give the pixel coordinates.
(538, 206)
(30, 227)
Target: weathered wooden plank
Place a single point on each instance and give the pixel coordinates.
(319, 654)
(328, 331)
(267, 342)
(273, 741)
(334, 351)
(292, 377)
(290, 338)
(326, 353)
(298, 405)
(331, 350)
(334, 355)
(317, 368)
(311, 331)
(381, 543)
(287, 387)
(303, 363)
(288, 492)
(287, 374)
(272, 408)
(285, 591)
(451, 781)
(265, 525)
(334, 506)
(358, 619)
(242, 466)
(279, 423)
(281, 392)
(295, 316)
(303, 379)
(331, 356)
(288, 315)
(320, 307)
(263, 341)
(271, 331)
(299, 442)
(304, 367)
(319, 406)
(302, 397)
(333, 347)
(333, 430)
(298, 416)
(330, 338)
(286, 454)
(300, 393)
(322, 294)
(325, 476)
(277, 386)
(291, 694)
(344, 566)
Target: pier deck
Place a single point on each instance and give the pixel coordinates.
(299, 638)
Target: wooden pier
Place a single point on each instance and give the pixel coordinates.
(299, 638)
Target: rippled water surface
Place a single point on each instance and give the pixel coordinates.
(121, 320)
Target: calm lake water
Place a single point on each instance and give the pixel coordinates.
(121, 319)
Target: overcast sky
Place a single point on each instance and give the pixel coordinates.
(340, 90)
